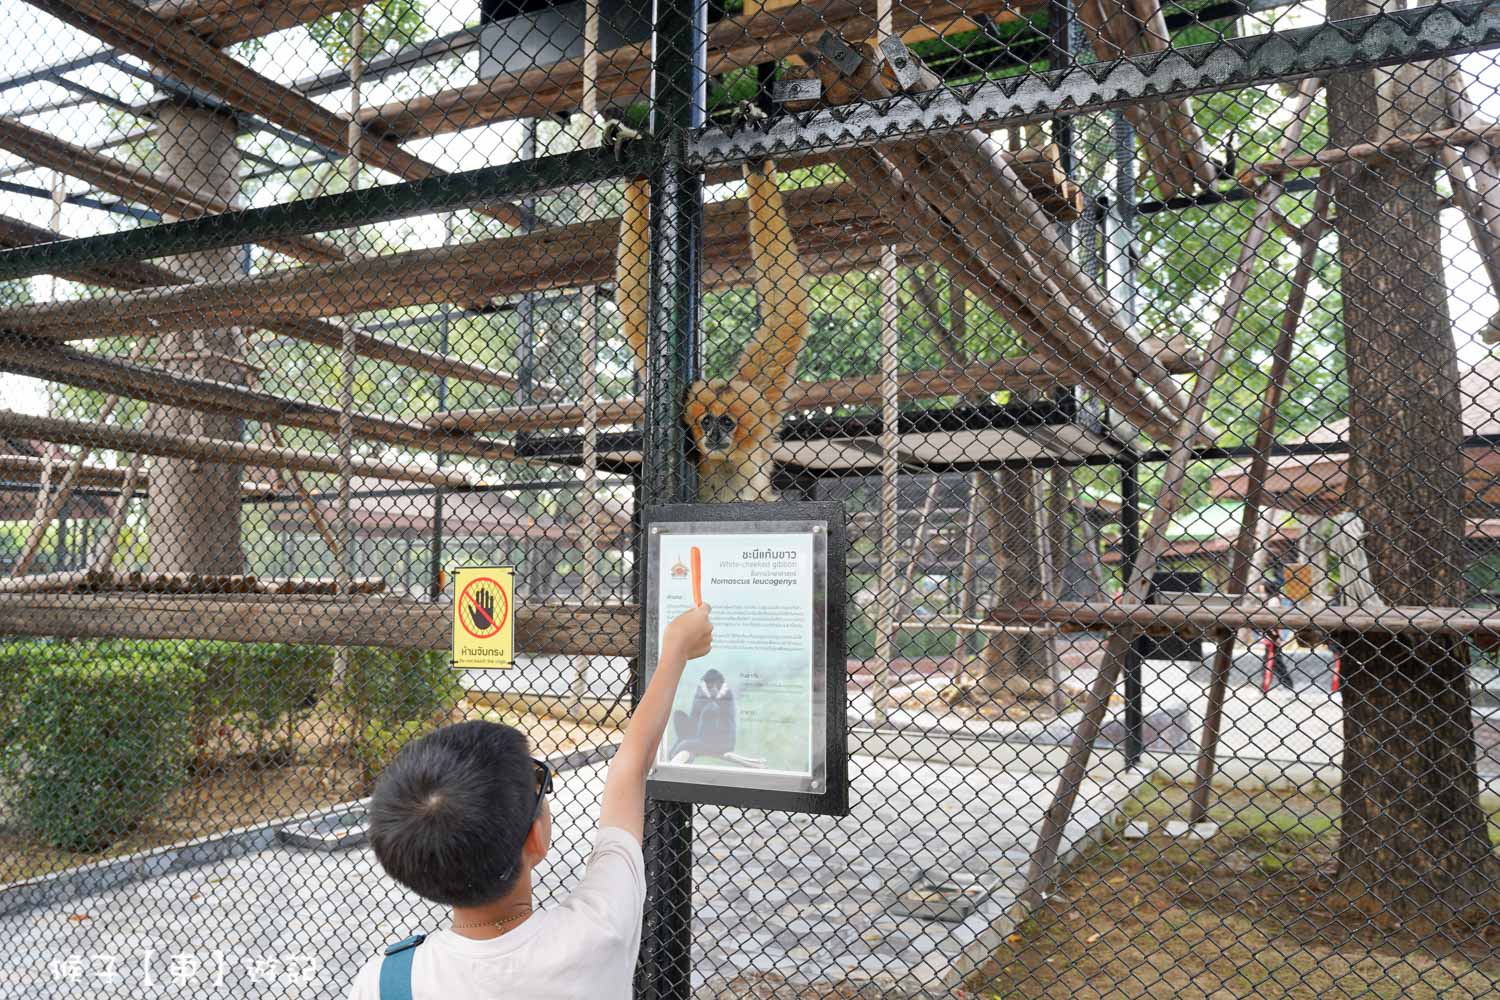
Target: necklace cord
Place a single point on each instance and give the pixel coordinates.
(493, 923)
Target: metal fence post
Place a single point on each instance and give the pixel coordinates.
(1130, 547)
(678, 102)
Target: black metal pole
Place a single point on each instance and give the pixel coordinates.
(435, 569)
(668, 473)
(1130, 547)
(1061, 38)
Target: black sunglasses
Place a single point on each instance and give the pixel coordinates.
(543, 787)
(543, 775)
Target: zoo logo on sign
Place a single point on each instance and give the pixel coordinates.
(483, 619)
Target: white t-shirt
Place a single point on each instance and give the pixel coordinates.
(584, 948)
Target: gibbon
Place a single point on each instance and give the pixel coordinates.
(711, 726)
(733, 421)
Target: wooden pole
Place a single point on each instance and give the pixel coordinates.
(1173, 145)
(948, 337)
(292, 478)
(890, 464)
(59, 362)
(1407, 142)
(1251, 515)
(185, 56)
(206, 449)
(890, 458)
(1474, 171)
(1042, 870)
(43, 491)
(332, 334)
(1014, 264)
(1058, 554)
(734, 42)
(343, 553)
(920, 536)
(588, 322)
(166, 194)
(33, 468)
(1204, 615)
(1484, 227)
(828, 225)
(104, 554)
(977, 379)
(133, 275)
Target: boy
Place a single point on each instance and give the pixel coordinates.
(461, 818)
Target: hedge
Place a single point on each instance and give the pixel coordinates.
(94, 736)
(263, 689)
(396, 696)
(98, 736)
(394, 686)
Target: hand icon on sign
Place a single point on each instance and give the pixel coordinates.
(482, 611)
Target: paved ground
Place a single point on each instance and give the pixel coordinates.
(772, 891)
(1302, 723)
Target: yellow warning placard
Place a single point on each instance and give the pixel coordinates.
(484, 617)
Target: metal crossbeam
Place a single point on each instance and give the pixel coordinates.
(378, 68)
(83, 200)
(1297, 53)
(353, 208)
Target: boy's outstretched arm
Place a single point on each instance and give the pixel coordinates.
(689, 636)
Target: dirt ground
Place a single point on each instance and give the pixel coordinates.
(1246, 914)
(950, 687)
(234, 787)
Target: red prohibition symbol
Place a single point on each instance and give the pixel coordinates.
(477, 612)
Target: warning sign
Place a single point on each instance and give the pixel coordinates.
(484, 621)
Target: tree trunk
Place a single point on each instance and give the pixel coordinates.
(195, 506)
(1415, 848)
(1014, 662)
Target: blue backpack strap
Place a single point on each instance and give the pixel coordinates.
(395, 968)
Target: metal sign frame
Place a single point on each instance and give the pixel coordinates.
(830, 684)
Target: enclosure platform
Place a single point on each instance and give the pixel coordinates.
(358, 620)
(1061, 429)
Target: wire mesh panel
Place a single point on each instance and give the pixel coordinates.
(1146, 347)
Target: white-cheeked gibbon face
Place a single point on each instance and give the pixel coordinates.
(727, 417)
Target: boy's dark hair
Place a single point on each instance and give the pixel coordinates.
(450, 814)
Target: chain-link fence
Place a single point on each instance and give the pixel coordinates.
(1145, 344)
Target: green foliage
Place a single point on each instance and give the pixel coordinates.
(16, 659)
(395, 696)
(732, 89)
(907, 643)
(99, 736)
(390, 687)
(262, 688)
(379, 742)
(15, 293)
(389, 24)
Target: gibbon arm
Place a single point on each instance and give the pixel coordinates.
(770, 359)
(633, 269)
